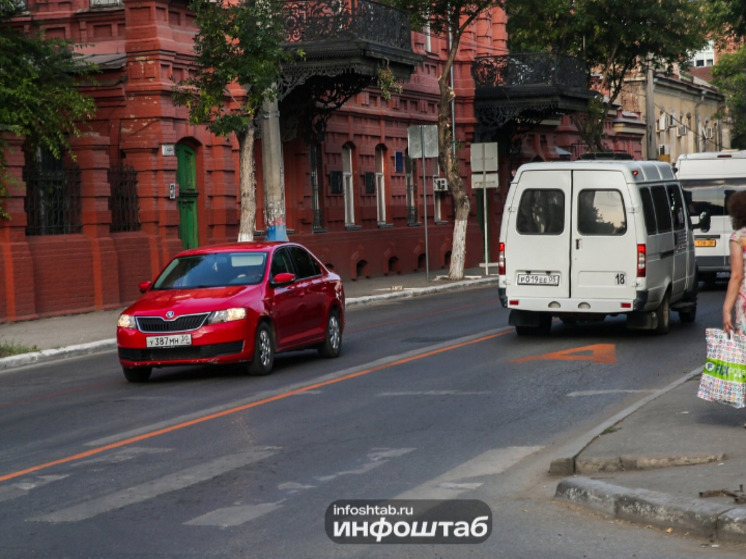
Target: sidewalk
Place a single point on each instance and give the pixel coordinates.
(671, 460)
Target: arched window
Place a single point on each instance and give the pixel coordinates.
(381, 183)
(348, 184)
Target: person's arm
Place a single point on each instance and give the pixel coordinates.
(734, 284)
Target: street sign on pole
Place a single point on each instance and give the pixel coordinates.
(484, 174)
(422, 142)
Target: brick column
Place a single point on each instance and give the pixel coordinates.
(17, 294)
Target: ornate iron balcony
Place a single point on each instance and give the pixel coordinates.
(529, 69)
(327, 20)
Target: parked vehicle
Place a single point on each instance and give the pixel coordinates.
(233, 303)
(586, 239)
(708, 180)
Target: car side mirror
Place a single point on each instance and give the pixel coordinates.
(144, 286)
(704, 222)
(284, 278)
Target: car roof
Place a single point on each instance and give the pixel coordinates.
(245, 246)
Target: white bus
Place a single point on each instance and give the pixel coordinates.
(710, 178)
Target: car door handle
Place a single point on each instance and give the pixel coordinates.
(577, 244)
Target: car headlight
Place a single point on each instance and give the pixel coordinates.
(126, 321)
(228, 315)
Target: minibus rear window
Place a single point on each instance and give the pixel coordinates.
(541, 212)
(601, 212)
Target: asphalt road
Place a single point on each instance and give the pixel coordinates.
(432, 398)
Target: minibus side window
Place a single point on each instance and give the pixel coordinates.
(648, 211)
(677, 208)
(541, 212)
(662, 209)
(601, 212)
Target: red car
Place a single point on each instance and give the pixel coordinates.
(233, 303)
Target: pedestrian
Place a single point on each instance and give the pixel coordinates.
(735, 296)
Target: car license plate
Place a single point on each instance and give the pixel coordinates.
(169, 341)
(538, 279)
(705, 242)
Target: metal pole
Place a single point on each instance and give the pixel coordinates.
(484, 212)
(424, 194)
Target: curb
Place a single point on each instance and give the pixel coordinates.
(44, 356)
(720, 522)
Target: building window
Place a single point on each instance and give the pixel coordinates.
(411, 191)
(380, 183)
(123, 202)
(348, 185)
(316, 206)
(52, 203)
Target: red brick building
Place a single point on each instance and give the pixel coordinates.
(145, 183)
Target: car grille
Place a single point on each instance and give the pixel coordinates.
(184, 352)
(157, 325)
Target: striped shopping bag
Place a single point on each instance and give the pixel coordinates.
(723, 377)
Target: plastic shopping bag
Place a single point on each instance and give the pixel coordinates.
(724, 374)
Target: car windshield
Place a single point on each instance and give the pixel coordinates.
(217, 269)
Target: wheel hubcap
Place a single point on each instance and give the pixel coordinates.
(334, 336)
(264, 348)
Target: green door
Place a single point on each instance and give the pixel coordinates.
(186, 175)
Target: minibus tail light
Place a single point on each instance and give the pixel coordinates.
(501, 259)
(642, 261)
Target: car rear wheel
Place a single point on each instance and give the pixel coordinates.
(332, 346)
(264, 351)
(137, 374)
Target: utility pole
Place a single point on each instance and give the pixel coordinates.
(652, 146)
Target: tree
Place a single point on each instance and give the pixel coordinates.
(237, 67)
(729, 76)
(39, 99)
(614, 37)
(449, 18)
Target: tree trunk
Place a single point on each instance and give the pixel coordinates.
(449, 165)
(247, 181)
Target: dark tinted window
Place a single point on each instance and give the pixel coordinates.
(662, 209)
(601, 212)
(678, 211)
(281, 263)
(648, 211)
(541, 212)
(305, 265)
(711, 195)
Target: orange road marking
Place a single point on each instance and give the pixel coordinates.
(237, 409)
(598, 353)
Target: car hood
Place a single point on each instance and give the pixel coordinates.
(158, 302)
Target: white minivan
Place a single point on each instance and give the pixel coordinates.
(585, 239)
(708, 180)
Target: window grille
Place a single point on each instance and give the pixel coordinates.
(52, 203)
(123, 201)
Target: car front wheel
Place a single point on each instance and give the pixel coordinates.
(137, 374)
(332, 345)
(264, 351)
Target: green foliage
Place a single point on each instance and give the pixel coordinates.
(237, 44)
(727, 19)
(38, 95)
(729, 76)
(612, 36)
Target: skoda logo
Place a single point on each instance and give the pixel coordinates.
(170, 314)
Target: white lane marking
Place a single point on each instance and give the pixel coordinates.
(122, 455)
(234, 516)
(376, 458)
(149, 490)
(604, 392)
(461, 478)
(22, 488)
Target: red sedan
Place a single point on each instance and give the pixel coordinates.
(233, 303)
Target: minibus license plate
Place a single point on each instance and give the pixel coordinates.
(705, 242)
(538, 279)
(169, 341)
